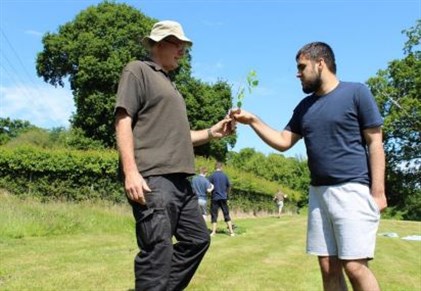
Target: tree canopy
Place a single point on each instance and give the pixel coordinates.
(397, 90)
(91, 51)
(10, 129)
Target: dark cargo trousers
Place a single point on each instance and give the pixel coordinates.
(171, 211)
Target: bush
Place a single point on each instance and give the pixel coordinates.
(75, 175)
(60, 174)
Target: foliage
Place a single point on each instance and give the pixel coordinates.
(75, 175)
(60, 174)
(252, 82)
(10, 129)
(206, 105)
(292, 173)
(58, 137)
(397, 91)
(92, 50)
(36, 137)
(76, 139)
(251, 193)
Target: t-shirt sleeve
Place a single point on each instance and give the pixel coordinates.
(208, 184)
(368, 111)
(294, 124)
(129, 93)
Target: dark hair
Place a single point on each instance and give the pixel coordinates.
(317, 50)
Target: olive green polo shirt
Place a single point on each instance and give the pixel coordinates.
(162, 140)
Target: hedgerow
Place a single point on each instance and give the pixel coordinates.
(75, 175)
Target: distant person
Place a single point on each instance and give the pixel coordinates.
(341, 126)
(279, 200)
(155, 145)
(202, 187)
(222, 187)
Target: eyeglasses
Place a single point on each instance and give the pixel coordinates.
(178, 45)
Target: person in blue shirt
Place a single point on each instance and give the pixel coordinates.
(341, 126)
(222, 187)
(201, 187)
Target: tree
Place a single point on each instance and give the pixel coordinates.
(397, 90)
(289, 172)
(10, 129)
(206, 105)
(92, 50)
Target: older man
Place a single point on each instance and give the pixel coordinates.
(155, 144)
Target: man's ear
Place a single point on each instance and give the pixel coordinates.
(320, 63)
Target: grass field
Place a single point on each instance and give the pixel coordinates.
(90, 246)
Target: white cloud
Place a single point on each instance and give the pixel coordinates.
(44, 106)
(33, 32)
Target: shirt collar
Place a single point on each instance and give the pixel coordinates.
(154, 66)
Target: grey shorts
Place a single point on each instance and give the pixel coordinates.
(342, 221)
(202, 206)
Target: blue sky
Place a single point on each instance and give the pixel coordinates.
(230, 39)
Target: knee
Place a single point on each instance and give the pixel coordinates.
(227, 217)
(355, 268)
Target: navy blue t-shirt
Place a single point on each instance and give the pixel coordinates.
(332, 126)
(221, 184)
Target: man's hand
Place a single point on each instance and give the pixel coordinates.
(241, 116)
(136, 187)
(380, 199)
(223, 128)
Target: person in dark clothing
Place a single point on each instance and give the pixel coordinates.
(341, 127)
(222, 187)
(155, 145)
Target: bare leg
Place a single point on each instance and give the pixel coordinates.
(213, 229)
(229, 223)
(332, 274)
(360, 276)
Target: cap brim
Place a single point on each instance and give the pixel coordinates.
(145, 40)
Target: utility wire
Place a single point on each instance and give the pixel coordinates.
(30, 78)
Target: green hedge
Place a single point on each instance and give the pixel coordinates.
(60, 174)
(84, 175)
(251, 193)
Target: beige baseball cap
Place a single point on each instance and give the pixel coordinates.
(165, 28)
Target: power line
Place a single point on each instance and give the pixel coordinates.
(30, 78)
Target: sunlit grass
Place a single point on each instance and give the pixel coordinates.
(90, 246)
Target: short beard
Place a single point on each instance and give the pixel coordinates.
(312, 86)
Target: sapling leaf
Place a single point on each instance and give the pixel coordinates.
(252, 82)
